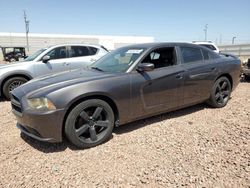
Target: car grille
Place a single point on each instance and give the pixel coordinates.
(16, 105)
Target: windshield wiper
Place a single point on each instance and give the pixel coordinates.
(96, 68)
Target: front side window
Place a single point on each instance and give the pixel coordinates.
(162, 57)
(119, 60)
(191, 55)
(57, 53)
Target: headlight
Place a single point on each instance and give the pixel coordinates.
(41, 104)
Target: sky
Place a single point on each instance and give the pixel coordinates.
(175, 20)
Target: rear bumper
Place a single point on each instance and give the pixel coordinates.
(46, 127)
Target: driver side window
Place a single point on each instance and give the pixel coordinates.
(57, 53)
(162, 57)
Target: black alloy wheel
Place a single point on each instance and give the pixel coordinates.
(90, 123)
(220, 93)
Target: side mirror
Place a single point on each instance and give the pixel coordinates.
(145, 67)
(46, 58)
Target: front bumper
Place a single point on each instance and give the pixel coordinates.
(43, 126)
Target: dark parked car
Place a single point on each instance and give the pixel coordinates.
(130, 83)
(12, 54)
(246, 70)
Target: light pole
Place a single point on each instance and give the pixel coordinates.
(205, 30)
(27, 23)
(233, 39)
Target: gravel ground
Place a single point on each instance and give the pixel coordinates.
(195, 147)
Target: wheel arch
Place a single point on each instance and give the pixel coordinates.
(94, 96)
(228, 76)
(24, 75)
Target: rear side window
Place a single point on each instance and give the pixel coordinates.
(92, 50)
(78, 51)
(191, 54)
(211, 47)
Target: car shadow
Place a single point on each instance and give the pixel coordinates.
(158, 118)
(46, 147)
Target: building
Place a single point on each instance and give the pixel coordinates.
(37, 41)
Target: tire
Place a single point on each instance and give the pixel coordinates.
(220, 93)
(12, 59)
(247, 77)
(11, 84)
(90, 123)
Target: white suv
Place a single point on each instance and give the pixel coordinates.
(208, 44)
(46, 61)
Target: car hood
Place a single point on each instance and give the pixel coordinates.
(49, 83)
(16, 64)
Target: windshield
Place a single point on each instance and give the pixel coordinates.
(35, 55)
(119, 60)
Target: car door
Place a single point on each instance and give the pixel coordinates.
(199, 74)
(158, 90)
(81, 56)
(56, 63)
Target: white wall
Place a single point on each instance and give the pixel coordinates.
(37, 41)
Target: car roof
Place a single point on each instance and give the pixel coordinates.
(75, 44)
(162, 44)
(203, 42)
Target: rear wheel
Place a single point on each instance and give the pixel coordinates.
(220, 93)
(11, 84)
(90, 123)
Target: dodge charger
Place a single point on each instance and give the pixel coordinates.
(128, 84)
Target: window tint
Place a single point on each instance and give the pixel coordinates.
(92, 50)
(211, 47)
(191, 54)
(161, 57)
(57, 53)
(205, 54)
(78, 51)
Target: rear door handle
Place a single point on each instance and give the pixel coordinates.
(213, 69)
(92, 60)
(65, 63)
(179, 76)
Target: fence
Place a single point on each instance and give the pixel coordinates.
(240, 50)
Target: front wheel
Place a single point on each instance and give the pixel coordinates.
(220, 93)
(90, 123)
(11, 84)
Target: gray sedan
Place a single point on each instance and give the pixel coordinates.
(130, 83)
